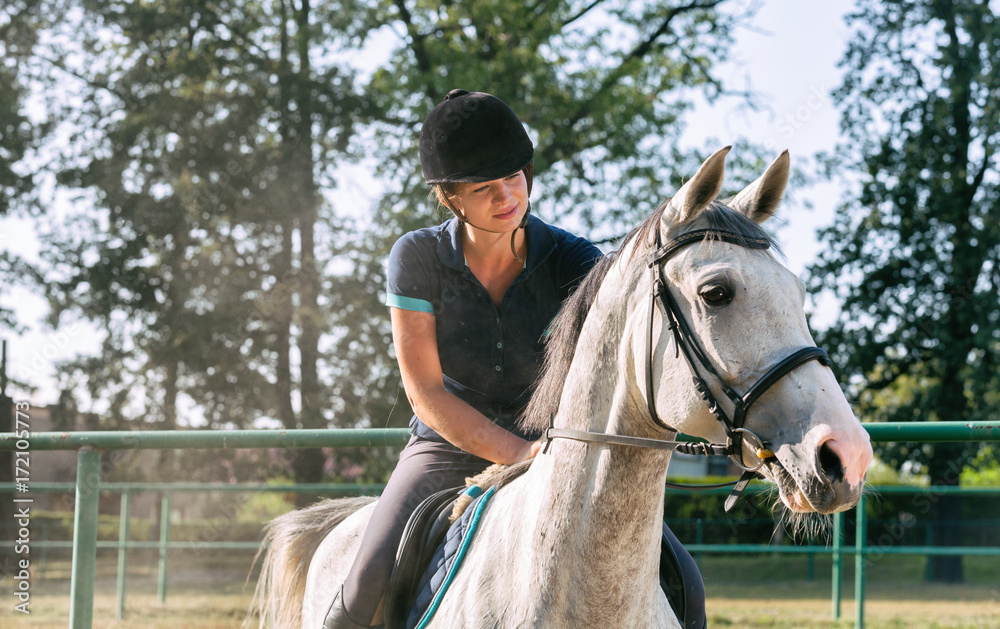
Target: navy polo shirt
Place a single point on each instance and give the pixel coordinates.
(490, 357)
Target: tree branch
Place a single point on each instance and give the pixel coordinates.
(977, 179)
(58, 65)
(417, 45)
(616, 74)
(585, 10)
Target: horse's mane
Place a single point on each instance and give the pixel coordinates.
(565, 329)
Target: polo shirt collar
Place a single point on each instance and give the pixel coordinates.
(541, 244)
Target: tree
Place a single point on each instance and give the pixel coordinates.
(601, 85)
(19, 22)
(209, 243)
(914, 254)
(213, 126)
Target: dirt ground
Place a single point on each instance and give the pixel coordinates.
(218, 599)
(189, 606)
(790, 606)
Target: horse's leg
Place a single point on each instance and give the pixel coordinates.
(329, 566)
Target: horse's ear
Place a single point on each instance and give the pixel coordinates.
(760, 200)
(695, 195)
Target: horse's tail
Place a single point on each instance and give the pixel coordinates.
(290, 541)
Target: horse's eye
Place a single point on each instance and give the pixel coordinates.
(716, 295)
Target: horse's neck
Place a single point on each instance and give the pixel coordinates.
(600, 507)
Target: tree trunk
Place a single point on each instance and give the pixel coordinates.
(309, 464)
(296, 123)
(281, 319)
(947, 515)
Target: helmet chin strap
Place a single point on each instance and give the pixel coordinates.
(513, 234)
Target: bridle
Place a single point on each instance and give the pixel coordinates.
(686, 342)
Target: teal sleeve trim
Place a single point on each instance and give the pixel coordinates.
(409, 303)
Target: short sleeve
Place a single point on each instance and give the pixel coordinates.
(411, 274)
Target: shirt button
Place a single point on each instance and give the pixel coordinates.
(497, 367)
(499, 345)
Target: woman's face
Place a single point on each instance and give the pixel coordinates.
(497, 205)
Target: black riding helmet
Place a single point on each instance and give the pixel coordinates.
(472, 137)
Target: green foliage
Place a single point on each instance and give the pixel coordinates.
(205, 146)
(913, 255)
(701, 517)
(18, 33)
(985, 469)
(19, 24)
(265, 506)
(601, 86)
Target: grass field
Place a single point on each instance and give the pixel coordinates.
(763, 592)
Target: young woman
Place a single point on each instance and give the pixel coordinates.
(470, 300)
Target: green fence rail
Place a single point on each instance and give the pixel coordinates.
(88, 487)
(163, 544)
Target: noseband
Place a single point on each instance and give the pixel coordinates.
(686, 342)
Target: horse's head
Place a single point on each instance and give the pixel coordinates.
(744, 310)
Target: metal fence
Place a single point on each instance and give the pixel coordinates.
(88, 487)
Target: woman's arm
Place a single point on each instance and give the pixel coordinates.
(415, 338)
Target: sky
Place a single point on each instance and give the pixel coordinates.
(789, 58)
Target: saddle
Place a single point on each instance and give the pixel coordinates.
(425, 532)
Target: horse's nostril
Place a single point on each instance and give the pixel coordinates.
(829, 462)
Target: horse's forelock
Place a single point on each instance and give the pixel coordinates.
(723, 218)
(717, 216)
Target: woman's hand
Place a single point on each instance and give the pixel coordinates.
(530, 450)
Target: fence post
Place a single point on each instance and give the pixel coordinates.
(45, 549)
(161, 587)
(699, 538)
(122, 554)
(928, 542)
(88, 477)
(860, 539)
(838, 543)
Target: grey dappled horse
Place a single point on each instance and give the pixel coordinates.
(574, 541)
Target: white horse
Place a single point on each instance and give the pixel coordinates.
(575, 540)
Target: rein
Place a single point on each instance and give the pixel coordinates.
(686, 342)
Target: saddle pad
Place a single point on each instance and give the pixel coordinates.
(445, 563)
(428, 531)
(425, 531)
